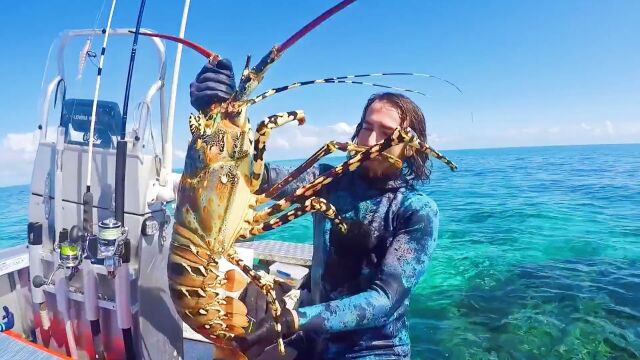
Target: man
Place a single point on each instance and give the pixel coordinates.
(360, 281)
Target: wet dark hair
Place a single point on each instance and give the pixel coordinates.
(417, 166)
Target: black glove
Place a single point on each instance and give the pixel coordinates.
(265, 335)
(214, 83)
(261, 332)
(256, 303)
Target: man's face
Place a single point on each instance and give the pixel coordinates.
(380, 121)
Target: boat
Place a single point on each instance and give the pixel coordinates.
(100, 289)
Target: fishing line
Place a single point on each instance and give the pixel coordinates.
(86, 53)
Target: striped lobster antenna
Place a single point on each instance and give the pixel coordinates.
(252, 77)
(347, 80)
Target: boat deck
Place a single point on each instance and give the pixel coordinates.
(197, 347)
(286, 252)
(13, 346)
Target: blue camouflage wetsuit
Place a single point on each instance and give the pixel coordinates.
(360, 291)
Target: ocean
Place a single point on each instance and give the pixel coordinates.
(538, 254)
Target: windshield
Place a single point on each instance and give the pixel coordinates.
(76, 119)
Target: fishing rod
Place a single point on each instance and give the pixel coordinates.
(122, 284)
(89, 279)
(167, 156)
(35, 229)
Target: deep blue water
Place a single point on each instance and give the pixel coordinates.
(538, 257)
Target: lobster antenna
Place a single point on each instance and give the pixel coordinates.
(312, 25)
(213, 57)
(279, 49)
(341, 80)
(251, 79)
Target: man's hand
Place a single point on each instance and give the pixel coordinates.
(214, 83)
(262, 333)
(256, 302)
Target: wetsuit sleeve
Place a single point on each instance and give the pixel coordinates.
(274, 173)
(404, 264)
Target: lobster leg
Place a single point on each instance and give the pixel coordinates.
(325, 150)
(311, 204)
(262, 134)
(267, 286)
(423, 147)
(398, 137)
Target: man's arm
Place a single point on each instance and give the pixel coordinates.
(403, 266)
(274, 173)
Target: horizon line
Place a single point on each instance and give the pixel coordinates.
(500, 147)
(463, 149)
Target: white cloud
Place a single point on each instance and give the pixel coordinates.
(558, 132)
(609, 126)
(17, 150)
(298, 142)
(343, 128)
(279, 143)
(178, 158)
(306, 139)
(599, 129)
(179, 154)
(16, 157)
(25, 143)
(438, 141)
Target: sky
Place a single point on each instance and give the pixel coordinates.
(533, 73)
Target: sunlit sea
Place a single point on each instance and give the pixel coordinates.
(538, 254)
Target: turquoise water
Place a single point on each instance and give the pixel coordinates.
(538, 257)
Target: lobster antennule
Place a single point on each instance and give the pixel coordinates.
(346, 79)
(206, 53)
(414, 74)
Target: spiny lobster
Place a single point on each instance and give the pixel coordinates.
(216, 202)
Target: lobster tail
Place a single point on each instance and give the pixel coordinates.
(199, 288)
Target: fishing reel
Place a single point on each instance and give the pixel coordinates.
(111, 241)
(71, 251)
(104, 248)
